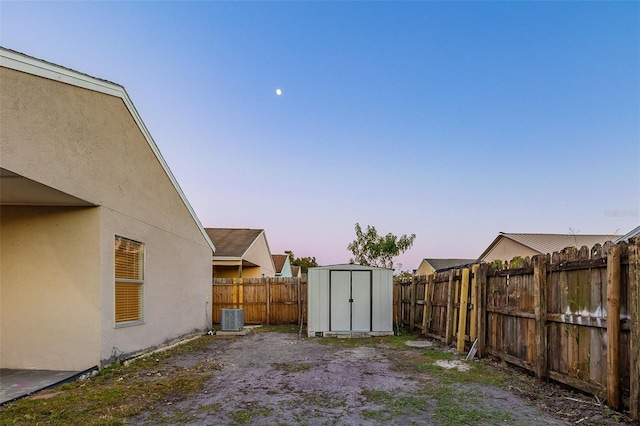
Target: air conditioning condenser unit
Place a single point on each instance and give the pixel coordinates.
(231, 319)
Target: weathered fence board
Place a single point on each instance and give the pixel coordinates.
(570, 316)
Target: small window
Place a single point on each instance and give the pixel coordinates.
(129, 281)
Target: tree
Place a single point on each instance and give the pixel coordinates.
(372, 249)
(303, 262)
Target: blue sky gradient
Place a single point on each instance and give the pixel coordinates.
(450, 120)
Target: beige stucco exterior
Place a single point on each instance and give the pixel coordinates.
(506, 249)
(256, 262)
(50, 287)
(259, 254)
(424, 269)
(83, 137)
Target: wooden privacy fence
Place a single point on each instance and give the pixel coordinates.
(550, 315)
(264, 300)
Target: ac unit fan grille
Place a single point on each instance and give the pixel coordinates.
(232, 319)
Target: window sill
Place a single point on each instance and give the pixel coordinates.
(128, 324)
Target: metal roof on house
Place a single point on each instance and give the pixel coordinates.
(550, 243)
(634, 233)
(279, 261)
(232, 242)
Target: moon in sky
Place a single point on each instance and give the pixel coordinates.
(278, 92)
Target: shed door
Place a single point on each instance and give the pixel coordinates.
(350, 298)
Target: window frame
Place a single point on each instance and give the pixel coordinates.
(140, 282)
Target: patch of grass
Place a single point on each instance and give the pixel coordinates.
(249, 414)
(478, 372)
(115, 394)
(183, 416)
(395, 342)
(293, 367)
(393, 405)
(425, 362)
(464, 407)
(281, 328)
(323, 399)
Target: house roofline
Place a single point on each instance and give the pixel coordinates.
(38, 67)
(492, 245)
(273, 265)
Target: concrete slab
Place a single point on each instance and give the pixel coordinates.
(16, 384)
(243, 332)
(419, 343)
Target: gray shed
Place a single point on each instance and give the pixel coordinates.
(349, 300)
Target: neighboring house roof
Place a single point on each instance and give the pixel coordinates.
(279, 261)
(295, 271)
(233, 242)
(550, 243)
(438, 264)
(634, 233)
(25, 63)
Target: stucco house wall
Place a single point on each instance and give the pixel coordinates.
(424, 269)
(82, 136)
(286, 269)
(507, 249)
(260, 254)
(50, 293)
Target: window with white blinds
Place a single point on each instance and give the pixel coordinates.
(129, 280)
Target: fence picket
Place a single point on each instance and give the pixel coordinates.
(571, 316)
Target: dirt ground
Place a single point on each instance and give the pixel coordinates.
(270, 378)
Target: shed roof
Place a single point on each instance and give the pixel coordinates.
(233, 242)
(549, 243)
(347, 266)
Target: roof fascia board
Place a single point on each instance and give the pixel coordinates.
(29, 65)
(40, 68)
(226, 257)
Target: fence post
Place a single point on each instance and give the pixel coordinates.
(634, 336)
(426, 313)
(268, 297)
(614, 396)
(235, 292)
(540, 308)
(464, 303)
(449, 326)
(299, 301)
(482, 309)
(473, 326)
(412, 305)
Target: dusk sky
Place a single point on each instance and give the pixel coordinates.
(450, 120)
